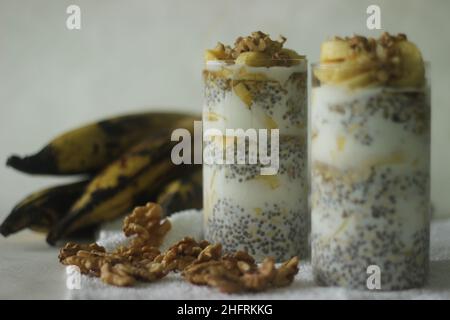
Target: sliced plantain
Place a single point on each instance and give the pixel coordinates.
(292, 54)
(335, 50)
(214, 54)
(241, 90)
(366, 79)
(254, 59)
(411, 65)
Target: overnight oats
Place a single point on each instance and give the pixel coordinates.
(256, 86)
(370, 162)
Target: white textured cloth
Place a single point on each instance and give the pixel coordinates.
(189, 223)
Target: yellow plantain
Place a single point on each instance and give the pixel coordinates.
(182, 193)
(336, 50)
(254, 59)
(143, 169)
(292, 54)
(412, 66)
(42, 209)
(89, 148)
(214, 54)
(364, 62)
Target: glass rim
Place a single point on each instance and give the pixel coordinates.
(335, 64)
(233, 62)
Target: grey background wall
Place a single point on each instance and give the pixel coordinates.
(136, 54)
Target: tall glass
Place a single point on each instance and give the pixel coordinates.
(370, 162)
(265, 215)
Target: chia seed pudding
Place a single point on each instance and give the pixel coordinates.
(370, 159)
(266, 215)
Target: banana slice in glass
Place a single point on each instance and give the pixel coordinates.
(335, 51)
(411, 64)
(254, 59)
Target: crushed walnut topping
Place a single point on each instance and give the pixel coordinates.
(200, 262)
(257, 42)
(382, 48)
(258, 49)
(386, 40)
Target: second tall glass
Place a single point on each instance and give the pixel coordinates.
(370, 162)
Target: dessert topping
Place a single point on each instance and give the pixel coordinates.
(256, 50)
(360, 62)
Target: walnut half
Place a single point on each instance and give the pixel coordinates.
(145, 222)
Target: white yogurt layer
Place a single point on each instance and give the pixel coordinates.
(255, 193)
(332, 143)
(411, 211)
(233, 112)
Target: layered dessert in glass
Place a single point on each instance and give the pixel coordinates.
(370, 162)
(257, 84)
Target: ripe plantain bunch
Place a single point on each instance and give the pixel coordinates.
(123, 162)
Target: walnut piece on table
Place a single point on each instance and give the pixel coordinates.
(181, 254)
(146, 224)
(231, 275)
(137, 253)
(116, 275)
(71, 249)
(200, 262)
(90, 262)
(286, 273)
